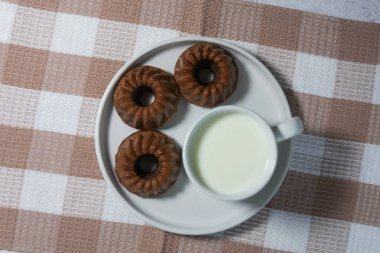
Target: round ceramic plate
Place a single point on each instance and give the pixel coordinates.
(183, 208)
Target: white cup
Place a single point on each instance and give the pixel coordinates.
(273, 134)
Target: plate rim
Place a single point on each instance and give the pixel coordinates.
(128, 64)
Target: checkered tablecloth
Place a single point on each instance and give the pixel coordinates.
(57, 57)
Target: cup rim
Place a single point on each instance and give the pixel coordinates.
(193, 130)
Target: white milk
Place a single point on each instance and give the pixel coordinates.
(230, 153)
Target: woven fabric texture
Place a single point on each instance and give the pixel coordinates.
(56, 59)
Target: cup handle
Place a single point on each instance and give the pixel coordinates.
(287, 129)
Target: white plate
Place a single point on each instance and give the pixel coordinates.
(184, 209)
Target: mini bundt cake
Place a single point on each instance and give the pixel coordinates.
(137, 83)
(147, 163)
(206, 91)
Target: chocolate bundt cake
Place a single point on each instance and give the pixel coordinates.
(147, 163)
(201, 90)
(139, 82)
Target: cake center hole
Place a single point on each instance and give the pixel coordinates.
(144, 96)
(206, 76)
(205, 72)
(146, 165)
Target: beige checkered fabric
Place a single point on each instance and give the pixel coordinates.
(57, 57)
